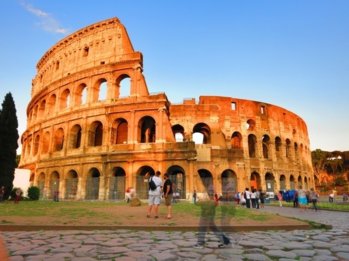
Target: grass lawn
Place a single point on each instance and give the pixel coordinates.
(106, 213)
(336, 206)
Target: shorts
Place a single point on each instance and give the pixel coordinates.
(168, 200)
(154, 200)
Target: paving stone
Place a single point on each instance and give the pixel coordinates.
(281, 253)
(324, 258)
(344, 255)
(304, 252)
(257, 257)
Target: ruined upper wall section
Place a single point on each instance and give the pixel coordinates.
(99, 44)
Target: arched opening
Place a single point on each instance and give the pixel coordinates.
(142, 183)
(278, 145)
(252, 142)
(54, 184)
(300, 183)
(75, 136)
(296, 150)
(117, 183)
(270, 182)
(59, 139)
(147, 129)
(92, 184)
(71, 185)
(46, 143)
(124, 86)
(206, 182)
(292, 182)
(288, 147)
(36, 144)
(41, 184)
(119, 131)
(177, 176)
(35, 113)
(103, 89)
(255, 181)
(282, 182)
(178, 132)
(65, 99)
(305, 183)
(42, 107)
(236, 140)
(229, 184)
(250, 125)
(201, 131)
(95, 134)
(266, 142)
(29, 147)
(51, 104)
(81, 94)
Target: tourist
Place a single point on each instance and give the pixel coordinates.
(279, 196)
(253, 198)
(154, 195)
(194, 197)
(345, 197)
(302, 198)
(313, 196)
(56, 196)
(18, 195)
(207, 222)
(295, 199)
(331, 197)
(168, 194)
(2, 193)
(130, 193)
(261, 198)
(247, 196)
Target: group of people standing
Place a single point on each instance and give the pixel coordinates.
(155, 192)
(251, 199)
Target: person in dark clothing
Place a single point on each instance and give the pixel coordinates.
(168, 194)
(295, 199)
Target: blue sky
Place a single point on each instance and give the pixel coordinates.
(294, 54)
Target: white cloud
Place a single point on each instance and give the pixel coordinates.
(47, 21)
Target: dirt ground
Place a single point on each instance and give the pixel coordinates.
(135, 217)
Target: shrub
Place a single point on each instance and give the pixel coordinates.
(33, 193)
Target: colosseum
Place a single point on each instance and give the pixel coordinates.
(93, 129)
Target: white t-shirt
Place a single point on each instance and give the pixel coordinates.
(158, 183)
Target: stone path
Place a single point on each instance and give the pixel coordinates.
(161, 245)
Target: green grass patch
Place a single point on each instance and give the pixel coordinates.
(335, 206)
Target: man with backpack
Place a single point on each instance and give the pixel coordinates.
(154, 194)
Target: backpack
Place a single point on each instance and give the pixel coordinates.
(152, 185)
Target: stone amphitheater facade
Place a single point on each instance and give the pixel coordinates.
(87, 141)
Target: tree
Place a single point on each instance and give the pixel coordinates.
(8, 143)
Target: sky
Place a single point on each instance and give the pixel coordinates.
(291, 53)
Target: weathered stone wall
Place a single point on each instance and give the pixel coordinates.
(85, 141)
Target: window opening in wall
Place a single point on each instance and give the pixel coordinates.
(85, 52)
(233, 106)
(125, 87)
(262, 109)
(57, 65)
(103, 91)
(198, 138)
(102, 62)
(250, 125)
(179, 137)
(84, 95)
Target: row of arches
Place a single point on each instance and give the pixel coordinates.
(73, 185)
(81, 94)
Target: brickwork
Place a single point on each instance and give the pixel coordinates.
(84, 140)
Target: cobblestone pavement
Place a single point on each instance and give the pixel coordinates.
(75, 245)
